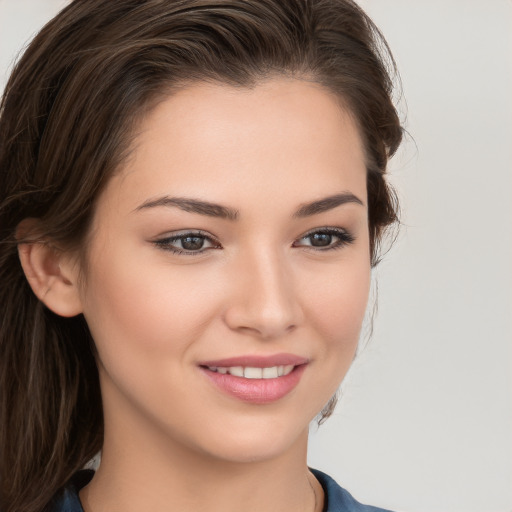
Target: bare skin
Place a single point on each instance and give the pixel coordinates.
(282, 267)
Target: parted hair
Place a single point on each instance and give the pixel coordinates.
(67, 118)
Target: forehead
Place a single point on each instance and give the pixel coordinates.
(280, 140)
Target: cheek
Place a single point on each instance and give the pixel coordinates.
(335, 303)
(340, 299)
(134, 306)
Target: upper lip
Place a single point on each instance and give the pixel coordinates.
(257, 361)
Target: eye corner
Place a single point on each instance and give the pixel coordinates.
(327, 238)
(187, 242)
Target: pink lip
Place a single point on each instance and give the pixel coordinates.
(258, 361)
(256, 391)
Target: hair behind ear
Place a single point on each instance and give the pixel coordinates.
(50, 404)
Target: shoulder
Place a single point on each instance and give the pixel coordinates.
(338, 499)
(67, 499)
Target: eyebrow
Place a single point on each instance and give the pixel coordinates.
(193, 206)
(326, 204)
(216, 210)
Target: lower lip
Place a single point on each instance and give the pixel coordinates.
(256, 391)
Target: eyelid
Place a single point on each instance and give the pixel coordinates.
(164, 242)
(344, 238)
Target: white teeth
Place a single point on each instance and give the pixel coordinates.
(250, 372)
(253, 373)
(270, 373)
(288, 369)
(237, 371)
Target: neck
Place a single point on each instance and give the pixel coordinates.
(142, 472)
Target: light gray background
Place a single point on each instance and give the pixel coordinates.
(425, 421)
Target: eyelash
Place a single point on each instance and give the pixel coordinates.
(343, 236)
(166, 243)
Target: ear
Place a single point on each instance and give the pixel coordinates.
(52, 275)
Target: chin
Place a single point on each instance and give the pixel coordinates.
(254, 440)
(265, 448)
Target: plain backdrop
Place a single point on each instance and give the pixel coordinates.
(425, 418)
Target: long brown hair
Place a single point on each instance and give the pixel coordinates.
(66, 119)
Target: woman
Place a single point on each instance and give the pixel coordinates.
(193, 195)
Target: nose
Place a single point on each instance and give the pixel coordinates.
(265, 301)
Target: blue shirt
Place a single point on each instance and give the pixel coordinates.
(337, 499)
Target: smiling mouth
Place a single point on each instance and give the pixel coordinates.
(251, 372)
(256, 380)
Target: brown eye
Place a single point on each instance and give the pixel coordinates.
(192, 243)
(187, 243)
(320, 239)
(324, 239)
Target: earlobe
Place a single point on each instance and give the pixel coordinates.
(52, 276)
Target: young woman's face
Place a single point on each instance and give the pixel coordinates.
(228, 269)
